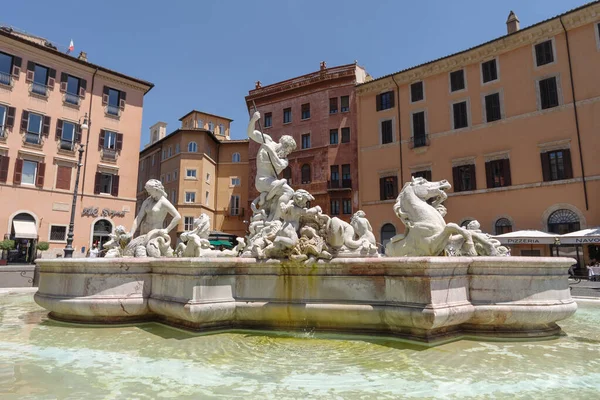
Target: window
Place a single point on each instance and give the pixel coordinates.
(208, 151)
(556, 165)
(345, 100)
(489, 72)
(388, 231)
(306, 177)
(234, 205)
(287, 175)
(305, 108)
(464, 178)
(544, 53)
(164, 154)
(208, 177)
(563, 221)
(492, 107)
(190, 173)
(72, 90)
(457, 80)
(211, 127)
(387, 133)
(153, 159)
(175, 173)
(106, 183)
(169, 152)
(235, 181)
(221, 129)
(548, 93)
(188, 223)
(110, 140)
(335, 207)
(268, 120)
(35, 128)
(177, 148)
(29, 172)
(40, 80)
(347, 206)
(287, 115)
(419, 134)
(388, 188)
(306, 141)
(416, 92)
(334, 171)
(192, 147)
(206, 196)
(236, 157)
(169, 177)
(67, 138)
(345, 135)
(173, 196)
(333, 105)
(162, 179)
(3, 113)
(498, 173)
(58, 233)
(142, 162)
(333, 136)
(6, 68)
(346, 176)
(461, 119)
(190, 197)
(385, 100)
(199, 123)
(425, 174)
(113, 100)
(503, 225)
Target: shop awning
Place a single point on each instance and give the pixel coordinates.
(527, 237)
(226, 243)
(25, 229)
(584, 236)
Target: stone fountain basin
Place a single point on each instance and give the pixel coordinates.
(428, 299)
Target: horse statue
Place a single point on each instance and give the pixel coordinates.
(419, 207)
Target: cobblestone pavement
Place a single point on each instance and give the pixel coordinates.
(585, 288)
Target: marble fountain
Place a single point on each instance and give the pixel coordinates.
(299, 269)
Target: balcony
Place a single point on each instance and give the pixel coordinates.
(346, 183)
(3, 133)
(339, 185)
(5, 79)
(71, 99)
(38, 89)
(419, 141)
(235, 212)
(113, 111)
(66, 145)
(32, 138)
(109, 154)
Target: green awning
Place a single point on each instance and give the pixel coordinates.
(221, 243)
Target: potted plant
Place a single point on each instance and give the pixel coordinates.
(42, 246)
(5, 246)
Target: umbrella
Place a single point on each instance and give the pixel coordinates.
(584, 236)
(527, 237)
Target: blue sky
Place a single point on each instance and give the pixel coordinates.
(207, 54)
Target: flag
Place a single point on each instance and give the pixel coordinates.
(71, 47)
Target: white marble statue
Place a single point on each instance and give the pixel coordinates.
(154, 240)
(118, 242)
(283, 226)
(195, 243)
(419, 207)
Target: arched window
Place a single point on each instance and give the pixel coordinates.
(192, 147)
(287, 174)
(101, 233)
(465, 223)
(563, 221)
(306, 178)
(503, 225)
(236, 157)
(388, 231)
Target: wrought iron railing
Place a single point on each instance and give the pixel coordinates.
(5, 79)
(334, 184)
(346, 183)
(33, 138)
(109, 154)
(39, 89)
(419, 141)
(112, 110)
(72, 98)
(66, 145)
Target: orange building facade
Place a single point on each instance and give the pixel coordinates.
(44, 96)
(319, 111)
(202, 170)
(512, 124)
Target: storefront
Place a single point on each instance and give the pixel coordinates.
(24, 233)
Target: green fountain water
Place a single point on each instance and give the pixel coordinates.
(43, 359)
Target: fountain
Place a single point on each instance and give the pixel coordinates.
(301, 269)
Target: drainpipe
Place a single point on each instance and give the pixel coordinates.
(89, 130)
(585, 195)
(399, 133)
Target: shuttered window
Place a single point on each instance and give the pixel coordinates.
(333, 105)
(461, 119)
(63, 177)
(345, 135)
(425, 174)
(306, 175)
(492, 107)
(497, 173)
(548, 93)
(384, 101)
(333, 136)
(543, 53)
(387, 133)
(4, 162)
(416, 92)
(556, 165)
(464, 178)
(457, 80)
(489, 71)
(388, 187)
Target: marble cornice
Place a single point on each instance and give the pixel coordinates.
(481, 53)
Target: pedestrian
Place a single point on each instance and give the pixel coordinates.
(94, 251)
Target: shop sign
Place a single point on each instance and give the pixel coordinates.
(105, 212)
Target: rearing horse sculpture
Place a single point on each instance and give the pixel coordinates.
(419, 207)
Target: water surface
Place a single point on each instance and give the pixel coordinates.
(43, 359)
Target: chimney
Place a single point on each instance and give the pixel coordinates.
(512, 23)
(82, 56)
(257, 85)
(323, 65)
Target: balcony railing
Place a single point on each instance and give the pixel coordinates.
(337, 184)
(66, 145)
(33, 138)
(419, 141)
(334, 184)
(71, 99)
(112, 110)
(5, 79)
(346, 183)
(236, 212)
(39, 89)
(109, 154)
(3, 132)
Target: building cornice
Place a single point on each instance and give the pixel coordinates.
(504, 44)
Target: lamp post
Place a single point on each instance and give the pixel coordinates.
(69, 247)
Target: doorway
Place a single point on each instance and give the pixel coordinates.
(24, 233)
(101, 233)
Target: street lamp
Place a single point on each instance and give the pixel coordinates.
(69, 247)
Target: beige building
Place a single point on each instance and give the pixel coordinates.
(44, 96)
(512, 124)
(202, 169)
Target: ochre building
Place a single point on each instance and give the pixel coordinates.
(513, 124)
(44, 96)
